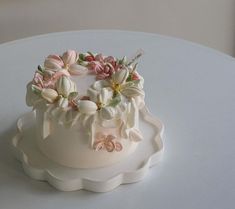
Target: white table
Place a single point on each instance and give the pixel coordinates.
(191, 88)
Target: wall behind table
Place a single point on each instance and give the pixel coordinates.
(208, 22)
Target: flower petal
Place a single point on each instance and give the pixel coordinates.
(49, 94)
(109, 145)
(65, 86)
(75, 69)
(53, 62)
(132, 91)
(87, 107)
(96, 88)
(60, 73)
(120, 76)
(69, 57)
(107, 113)
(98, 145)
(63, 102)
(118, 146)
(105, 95)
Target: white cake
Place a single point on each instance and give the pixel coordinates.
(87, 108)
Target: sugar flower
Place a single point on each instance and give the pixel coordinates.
(67, 61)
(120, 85)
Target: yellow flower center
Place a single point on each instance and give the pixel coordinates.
(66, 66)
(116, 87)
(100, 105)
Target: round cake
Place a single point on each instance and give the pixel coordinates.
(86, 108)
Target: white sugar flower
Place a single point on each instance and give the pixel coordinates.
(105, 97)
(128, 89)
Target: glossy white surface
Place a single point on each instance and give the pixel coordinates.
(190, 87)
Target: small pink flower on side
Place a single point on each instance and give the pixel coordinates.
(107, 142)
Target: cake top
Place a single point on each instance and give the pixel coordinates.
(117, 82)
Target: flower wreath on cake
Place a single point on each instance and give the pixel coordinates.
(114, 99)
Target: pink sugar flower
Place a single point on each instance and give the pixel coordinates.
(105, 72)
(109, 59)
(113, 62)
(95, 66)
(67, 61)
(53, 62)
(48, 80)
(89, 58)
(69, 57)
(102, 67)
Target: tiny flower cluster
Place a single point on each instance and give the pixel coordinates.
(115, 79)
(107, 142)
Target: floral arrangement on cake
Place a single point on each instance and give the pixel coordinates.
(117, 88)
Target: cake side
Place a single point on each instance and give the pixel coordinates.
(92, 130)
(71, 146)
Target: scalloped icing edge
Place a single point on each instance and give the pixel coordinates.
(84, 183)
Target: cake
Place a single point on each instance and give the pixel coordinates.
(86, 108)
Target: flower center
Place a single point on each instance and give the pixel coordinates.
(116, 87)
(100, 105)
(66, 66)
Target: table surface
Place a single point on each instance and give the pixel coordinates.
(188, 86)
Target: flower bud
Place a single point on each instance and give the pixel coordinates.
(49, 94)
(65, 86)
(87, 107)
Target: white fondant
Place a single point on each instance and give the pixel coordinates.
(67, 135)
(71, 146)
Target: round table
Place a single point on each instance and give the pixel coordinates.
(191, 88)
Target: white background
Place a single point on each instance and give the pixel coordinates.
(209, 22)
